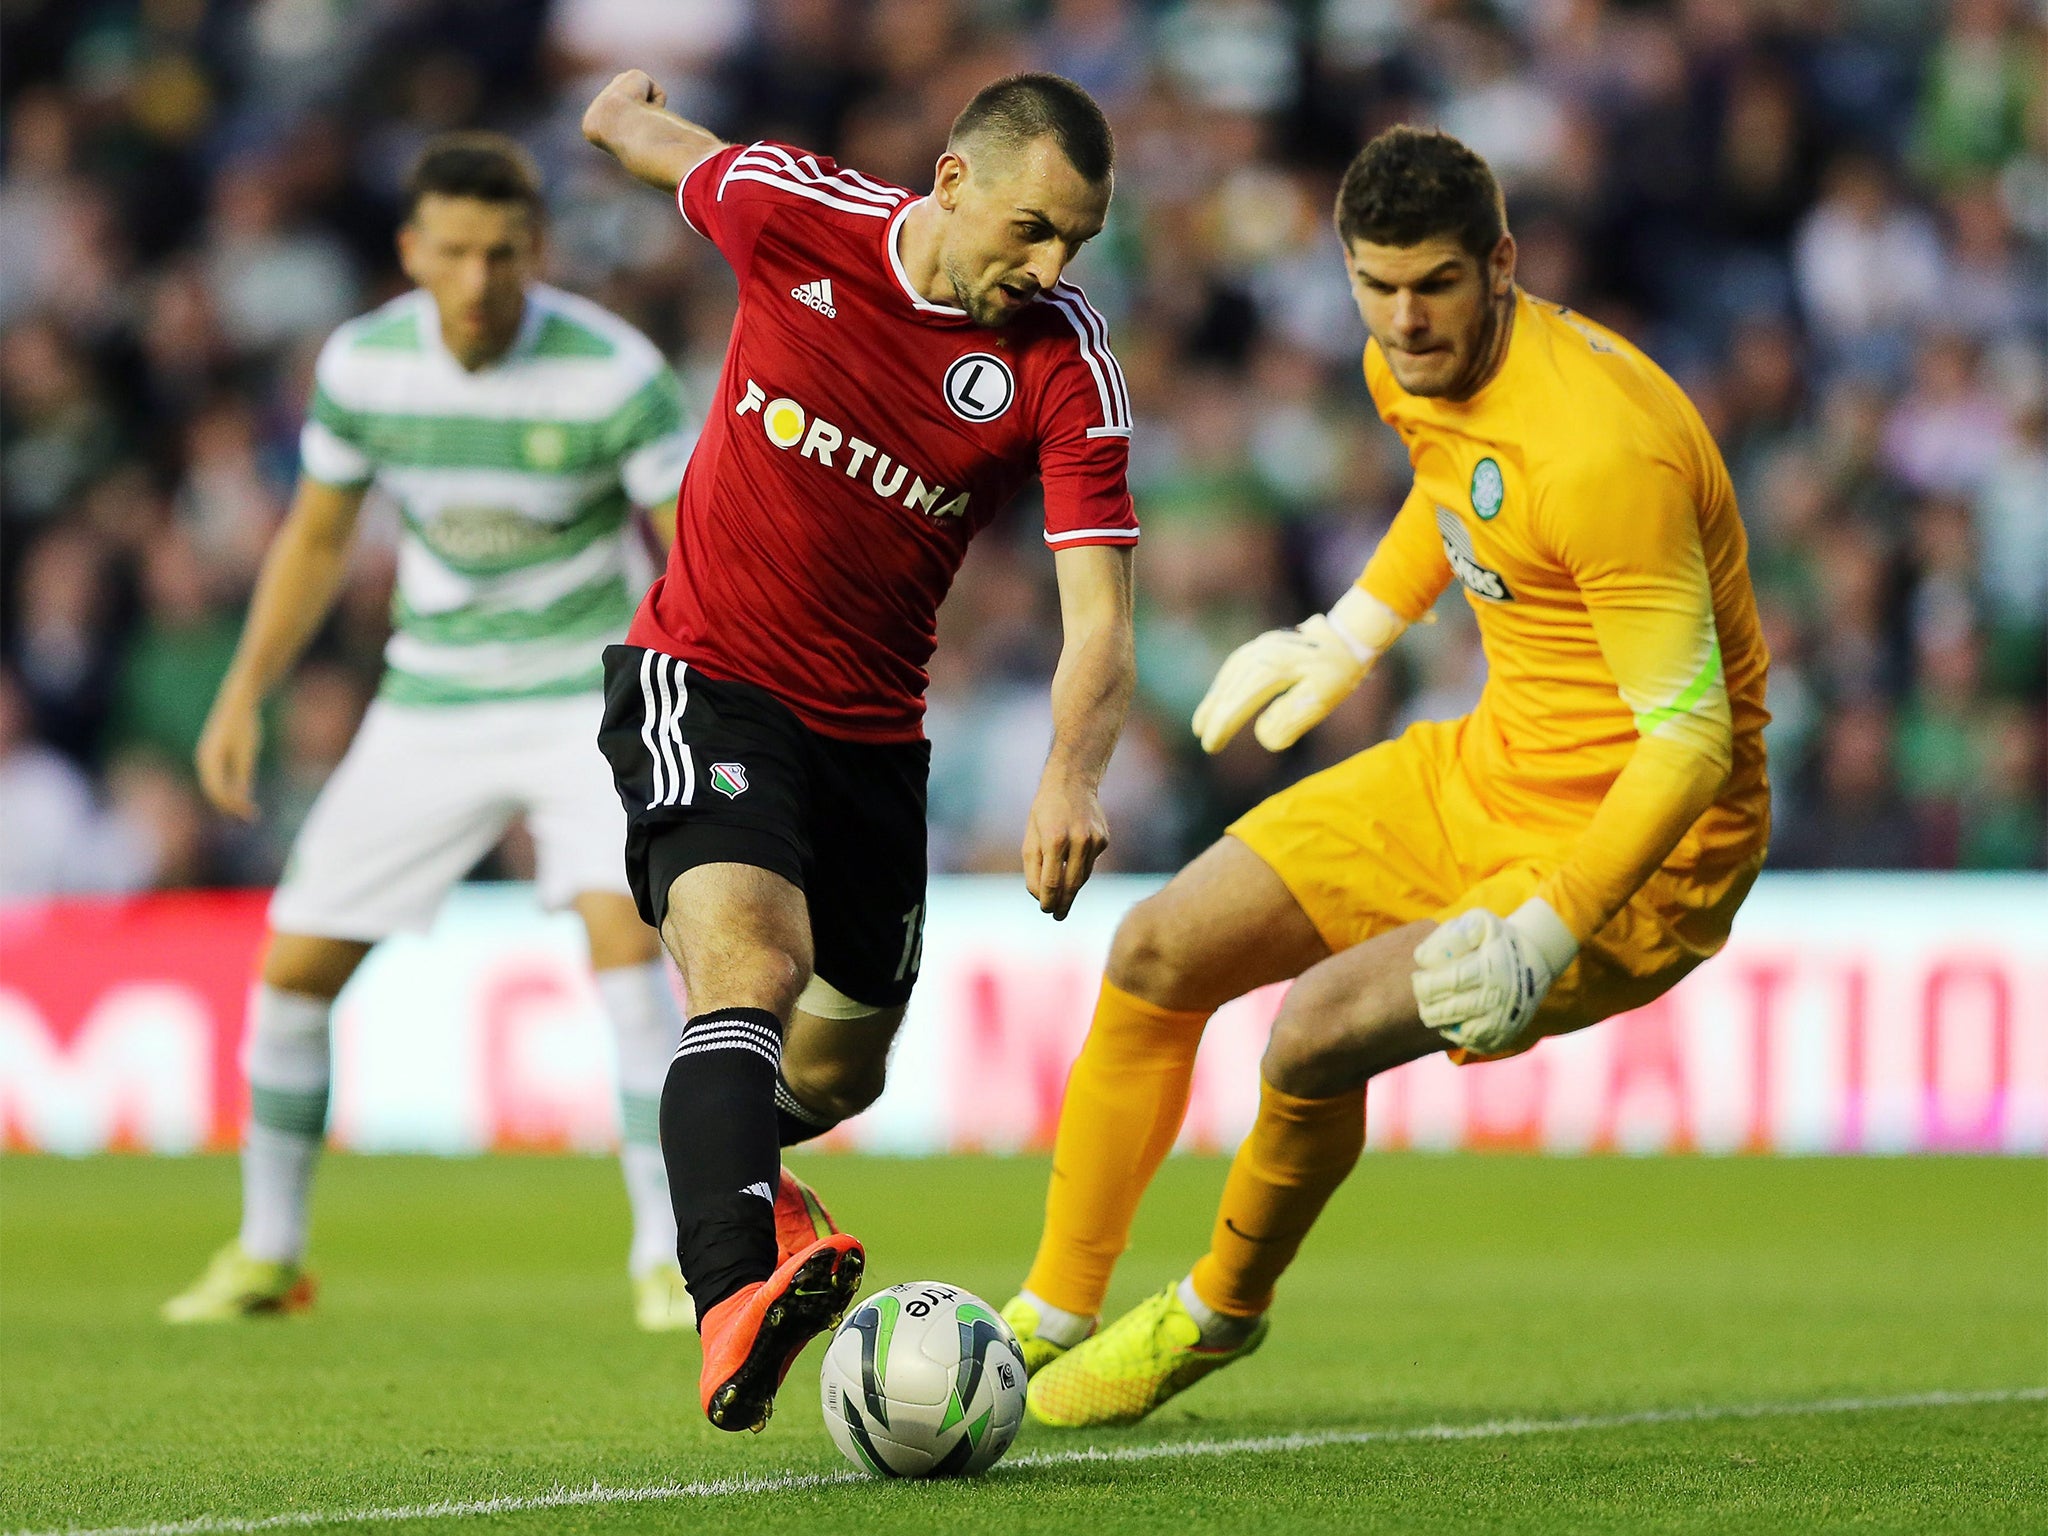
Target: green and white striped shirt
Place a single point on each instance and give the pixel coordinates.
(516, 485)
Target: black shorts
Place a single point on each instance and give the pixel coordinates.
(715, 772)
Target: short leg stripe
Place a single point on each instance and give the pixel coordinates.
(649, 720)
(674, 733)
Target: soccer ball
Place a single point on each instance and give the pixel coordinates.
(923, 1380)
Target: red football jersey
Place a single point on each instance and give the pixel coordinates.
(860, 437)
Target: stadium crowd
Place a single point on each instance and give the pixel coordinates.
(1828, 218)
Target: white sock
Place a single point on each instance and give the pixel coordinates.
(286, 1061)
(1220, 1328)
(1058, 1326)
(646, 1024)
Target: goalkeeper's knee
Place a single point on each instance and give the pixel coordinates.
(1337, 1027)
(1151, 958)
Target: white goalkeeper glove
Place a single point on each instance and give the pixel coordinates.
(1297, 676)
(1480, 978)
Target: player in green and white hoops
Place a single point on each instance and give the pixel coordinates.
(517, 427)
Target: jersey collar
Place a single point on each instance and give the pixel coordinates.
(944, 314)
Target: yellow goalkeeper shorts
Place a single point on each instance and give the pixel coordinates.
(1397, 835)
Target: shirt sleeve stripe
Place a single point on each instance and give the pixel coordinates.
(1648, 720)
(896, 194)
(780, 162)
(860, 186)
(806, 168)
(798, 189)
(1087, 355)
(1116, 372)
(1120, 535)
(1108, 377)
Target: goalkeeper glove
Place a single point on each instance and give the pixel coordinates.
(1479, 979)
(1297, 676)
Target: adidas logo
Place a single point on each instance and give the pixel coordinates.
(765, 1191)
(817, 294)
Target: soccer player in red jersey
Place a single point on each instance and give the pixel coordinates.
(899, 367)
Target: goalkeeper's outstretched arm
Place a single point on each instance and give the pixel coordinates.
(630, 121)
(1292, 678)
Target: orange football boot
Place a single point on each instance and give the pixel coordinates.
(800, 1217)
(753, 1337)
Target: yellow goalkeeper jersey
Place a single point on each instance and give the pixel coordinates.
(1582, 503)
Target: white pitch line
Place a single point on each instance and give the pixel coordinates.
(1494, 1429)
(1256, 1445)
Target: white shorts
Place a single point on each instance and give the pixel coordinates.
(425, 792)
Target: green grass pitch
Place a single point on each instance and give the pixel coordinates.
(473, 1343)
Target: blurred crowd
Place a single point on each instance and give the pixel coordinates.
(1828, 218)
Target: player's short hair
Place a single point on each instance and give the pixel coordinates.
(1019, 109)
(487, 166)
(1415, 184)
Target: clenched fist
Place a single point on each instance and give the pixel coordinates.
(632, 87)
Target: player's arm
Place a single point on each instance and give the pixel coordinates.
(1091, 694)
(1642, 573)
(1292, 678)
(629, 121)
(1658, 636)
(302, 572)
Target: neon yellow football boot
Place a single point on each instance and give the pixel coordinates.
(661, 1302)
(236, 1285)
(1024, 1321)
(1148, 1355)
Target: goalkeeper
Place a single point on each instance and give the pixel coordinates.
(1567, 851)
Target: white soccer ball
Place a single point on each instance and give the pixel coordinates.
(923, 1380)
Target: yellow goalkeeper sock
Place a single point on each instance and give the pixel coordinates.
(1126, 1097)
(1299, 1151)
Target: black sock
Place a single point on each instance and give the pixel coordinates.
(795, 1119)
(718, 1140)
